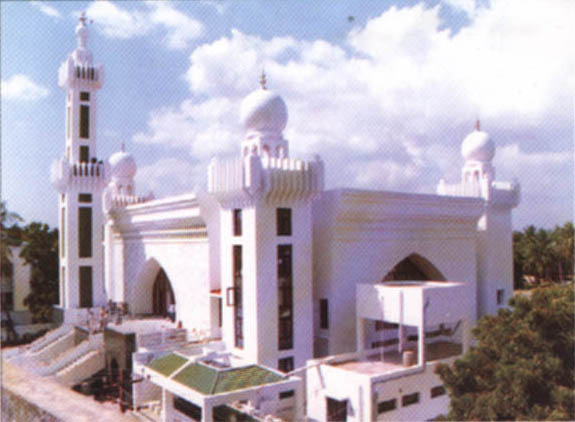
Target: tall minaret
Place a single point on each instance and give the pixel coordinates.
(265, 239)
(80, 177)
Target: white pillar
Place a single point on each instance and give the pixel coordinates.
(421, 341)
(401, 343)
(360, 335)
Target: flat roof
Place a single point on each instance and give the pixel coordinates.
(379, 362)
(142, 325)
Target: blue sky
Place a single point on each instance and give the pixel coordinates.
(384, 91)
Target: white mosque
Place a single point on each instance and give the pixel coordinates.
(291, 301)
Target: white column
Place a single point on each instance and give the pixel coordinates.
(401, 343)
(360, 334)
(421, 342)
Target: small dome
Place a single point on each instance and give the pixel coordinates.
(478, 146)
(263, 110)
(122, 165)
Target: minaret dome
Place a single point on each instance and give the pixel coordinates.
(478, 146)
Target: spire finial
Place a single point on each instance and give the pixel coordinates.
(263, 80)
(82, 18)
(477, 127)
(123, 146)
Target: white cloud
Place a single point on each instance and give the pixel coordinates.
(117, 22)
(391, 109)
(181, 29)
(21, 87)
(167, 176)
(46, 9)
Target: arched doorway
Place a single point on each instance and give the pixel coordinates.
(163, 295)
(414, 268)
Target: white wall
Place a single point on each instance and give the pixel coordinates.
(495, 257)
(260, 284)
(354, 243)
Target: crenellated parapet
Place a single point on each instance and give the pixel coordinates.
(498, 194)
(64, 175)
(80, 75)
(275, 180)
(114, 202)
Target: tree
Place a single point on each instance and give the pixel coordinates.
(40, 251)
(522, 366)
(545, 255)
(10, 235)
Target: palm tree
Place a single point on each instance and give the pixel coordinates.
(563, 245)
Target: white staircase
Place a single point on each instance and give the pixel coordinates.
(81, 368)
(57, 355)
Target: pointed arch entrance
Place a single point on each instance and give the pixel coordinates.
(162, 294)
(414, 268)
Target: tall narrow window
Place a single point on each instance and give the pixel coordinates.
(283, 221)
(84, 154)
(323, 314)
(68, 122)
(237, 222)
(238, 303)
(84, 121)
(62, 287)
(285, 297)
(63, 231)
(220, 316)
(85, 287)
(85, 232)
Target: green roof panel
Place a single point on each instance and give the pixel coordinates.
(198, 377)
(209, 381)
(167, 365)
(246, 377)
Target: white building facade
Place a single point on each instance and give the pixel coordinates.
(283, 272)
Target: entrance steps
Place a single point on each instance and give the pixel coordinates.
(81, 368)
(59, 355)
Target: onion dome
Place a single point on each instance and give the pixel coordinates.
(478, 146)
(263, 111)
(122, 165)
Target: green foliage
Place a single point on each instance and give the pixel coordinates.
(10, 236)
(544, 255)
(40, 251)
(522, 367)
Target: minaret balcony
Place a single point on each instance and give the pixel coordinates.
(275, 180)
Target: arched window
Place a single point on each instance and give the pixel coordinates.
(415, 268)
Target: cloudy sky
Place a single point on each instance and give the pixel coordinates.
(385, 91)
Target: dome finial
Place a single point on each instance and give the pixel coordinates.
(123, 146)
(263, 80)
(82, 18)
(477, 126)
